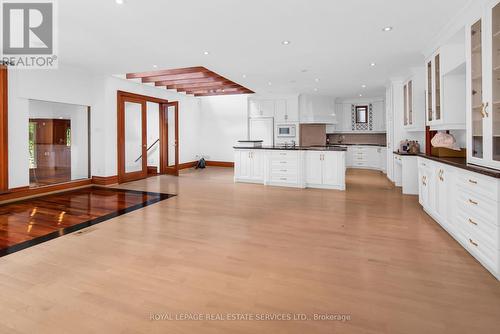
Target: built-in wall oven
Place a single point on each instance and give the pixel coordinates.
(286, 130)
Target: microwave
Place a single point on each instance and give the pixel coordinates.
(286, 131)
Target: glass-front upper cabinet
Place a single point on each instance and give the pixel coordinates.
(437, 88)
(430, 100)
(434, 90)
(405, 101)
(483, 112)
(476, 67)
(495, 110)
(408, 105)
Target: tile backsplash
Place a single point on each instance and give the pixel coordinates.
(361, 138)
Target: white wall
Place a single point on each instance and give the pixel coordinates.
(65, 85)
(79, 131)
(74, 86)
(223, 123)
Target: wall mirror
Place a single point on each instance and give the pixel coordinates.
(361, 114)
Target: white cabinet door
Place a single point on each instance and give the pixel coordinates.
(349, 157)
(267, 108)
(314, 167)
(441, 193)
(281, 112)
(347, 121)
(424, 183)
(383, 159)
(243, 170)
(257, 165)
(378, 116)
(373, 157)
(332, 169)
(254, 108)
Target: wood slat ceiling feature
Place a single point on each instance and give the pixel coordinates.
(198, 81)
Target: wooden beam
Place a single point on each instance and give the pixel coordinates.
(197, 69)
(213, 90)
(189, 81)
(4, 127)
(205, 85)
(195, 75)
(225, 93)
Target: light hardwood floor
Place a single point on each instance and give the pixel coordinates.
(220, 247)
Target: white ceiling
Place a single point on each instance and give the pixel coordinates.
(333, 40)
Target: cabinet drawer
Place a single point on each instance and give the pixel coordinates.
(359, 148)
(284, 155)
(482, 251)
(278, 178)
(360, 164)
(284, 170)
(360, 158)
(286, 164)
(479, 228)
(478, 206)
(483, 185)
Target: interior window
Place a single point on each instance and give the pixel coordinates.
(58, 145)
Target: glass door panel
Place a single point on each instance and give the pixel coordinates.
(410, 102)
(172, 120)
(133, 137)
(405, 109)
(429, 91)
(437, 87)
(132, 140)
(477, 89)
(495, 110)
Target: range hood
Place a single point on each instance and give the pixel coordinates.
(315, 109)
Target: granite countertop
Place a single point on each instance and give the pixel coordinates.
(296, 148)
(457, 162)
(347, 144)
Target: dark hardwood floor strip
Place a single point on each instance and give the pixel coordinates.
(33, 221)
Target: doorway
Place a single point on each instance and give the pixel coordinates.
(142, 145)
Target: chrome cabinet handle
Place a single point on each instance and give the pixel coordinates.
(473, 202)
(472, 181)
(472, 242)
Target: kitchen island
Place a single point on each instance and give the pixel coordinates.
(293, 166)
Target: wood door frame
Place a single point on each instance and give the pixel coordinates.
(143, 99)
(164, 155)
(4, 128)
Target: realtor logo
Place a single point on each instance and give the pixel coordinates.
(28, 30)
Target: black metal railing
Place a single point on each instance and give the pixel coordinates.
(150, 147)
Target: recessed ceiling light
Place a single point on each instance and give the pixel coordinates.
(270, 83)
(360, 95)
(317, 80)
(120, 2)
(373, 64)
(285, 42)
(386, 29)
(244, 75)
(363, 86)
(206, 53)
(155, 66)
(315, 89)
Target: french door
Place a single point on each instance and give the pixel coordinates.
(132, 139)
(169, 132)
